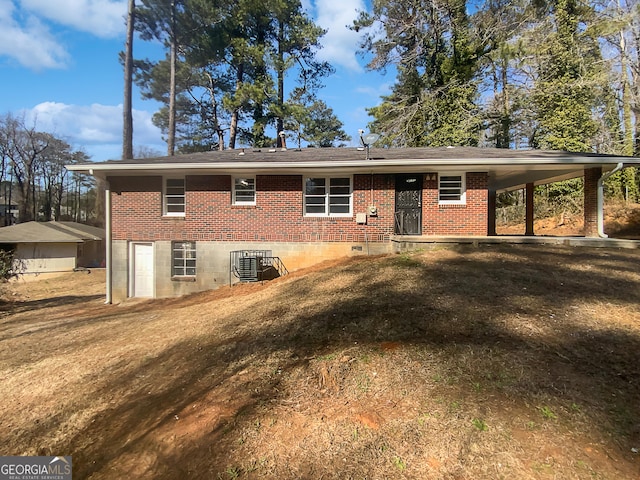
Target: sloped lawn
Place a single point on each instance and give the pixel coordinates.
(486, 363)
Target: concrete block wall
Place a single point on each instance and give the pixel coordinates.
(213, 263)
(119, 270)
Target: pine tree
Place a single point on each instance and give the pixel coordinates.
(434, 99)
(563, 95)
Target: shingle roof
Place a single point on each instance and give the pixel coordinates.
(266, 155)
(507, 169)
(50, 232)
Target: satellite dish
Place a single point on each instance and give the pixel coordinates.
(370, 138)
(367, 140)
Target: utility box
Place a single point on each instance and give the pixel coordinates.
(361, 218)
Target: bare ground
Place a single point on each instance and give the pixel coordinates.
(621, 220)
(485, 363)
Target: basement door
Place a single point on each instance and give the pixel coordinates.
(141, 270)
(408, 213)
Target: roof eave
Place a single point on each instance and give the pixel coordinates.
(359, 166)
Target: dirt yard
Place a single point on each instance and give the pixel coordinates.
(621, 220)
(486, 363)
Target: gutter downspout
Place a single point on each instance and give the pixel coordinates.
(108, 252)
(601, 180)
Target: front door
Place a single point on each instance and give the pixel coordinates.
(142, 270)
(408, 214)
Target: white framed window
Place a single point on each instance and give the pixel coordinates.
(451, 189)
(173, 198)
(327, 196)
(244, 191)
(183, 259)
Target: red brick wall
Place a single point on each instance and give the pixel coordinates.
(468, 219)
(278, 213)
(591, 176)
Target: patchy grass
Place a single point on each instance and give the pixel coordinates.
(484, 363)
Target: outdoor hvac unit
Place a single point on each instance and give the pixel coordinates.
(248, 268)
(255, 266)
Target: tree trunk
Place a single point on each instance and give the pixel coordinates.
(280, 67)
(635, 88)
(233, 127)
(127, 109)
(100, 203)
(58, 206)
(24, 204)
(214, 106)
(171, 137)
(47, 198)
(505, 121)
(34, 203)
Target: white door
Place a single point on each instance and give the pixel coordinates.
(142, 270)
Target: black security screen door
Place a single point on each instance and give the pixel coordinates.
(408, 204)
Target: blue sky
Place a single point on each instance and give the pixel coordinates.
(59, 68)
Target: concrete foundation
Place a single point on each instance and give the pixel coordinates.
(408, 243)
(213, 263)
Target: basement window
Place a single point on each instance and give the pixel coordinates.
(327, 197)
(183, 259)
(451, 189)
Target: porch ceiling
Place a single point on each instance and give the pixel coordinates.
(508, 179)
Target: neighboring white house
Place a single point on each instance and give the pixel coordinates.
(46, 247)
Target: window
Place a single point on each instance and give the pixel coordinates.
(183, 259)
(451, 189)
(174, 197)
(244, 191)
(324, 197)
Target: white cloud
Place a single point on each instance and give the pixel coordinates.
(339, 44)
(102, 18)
(97, 128)
(375, 90)
(29, 41)
(25, 27)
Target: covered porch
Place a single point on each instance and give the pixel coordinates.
(527, 180)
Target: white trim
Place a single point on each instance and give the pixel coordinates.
(466, 163)
(132, 263)
(463, 188)
(234, 201)
(165, 212)
(185, 259)
(108, 245)
(327, 196)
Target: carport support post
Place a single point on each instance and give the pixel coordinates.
(591, 207)
(108, 250)
(528, 200)
(491, 214)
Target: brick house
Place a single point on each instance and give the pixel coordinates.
(173, 223)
